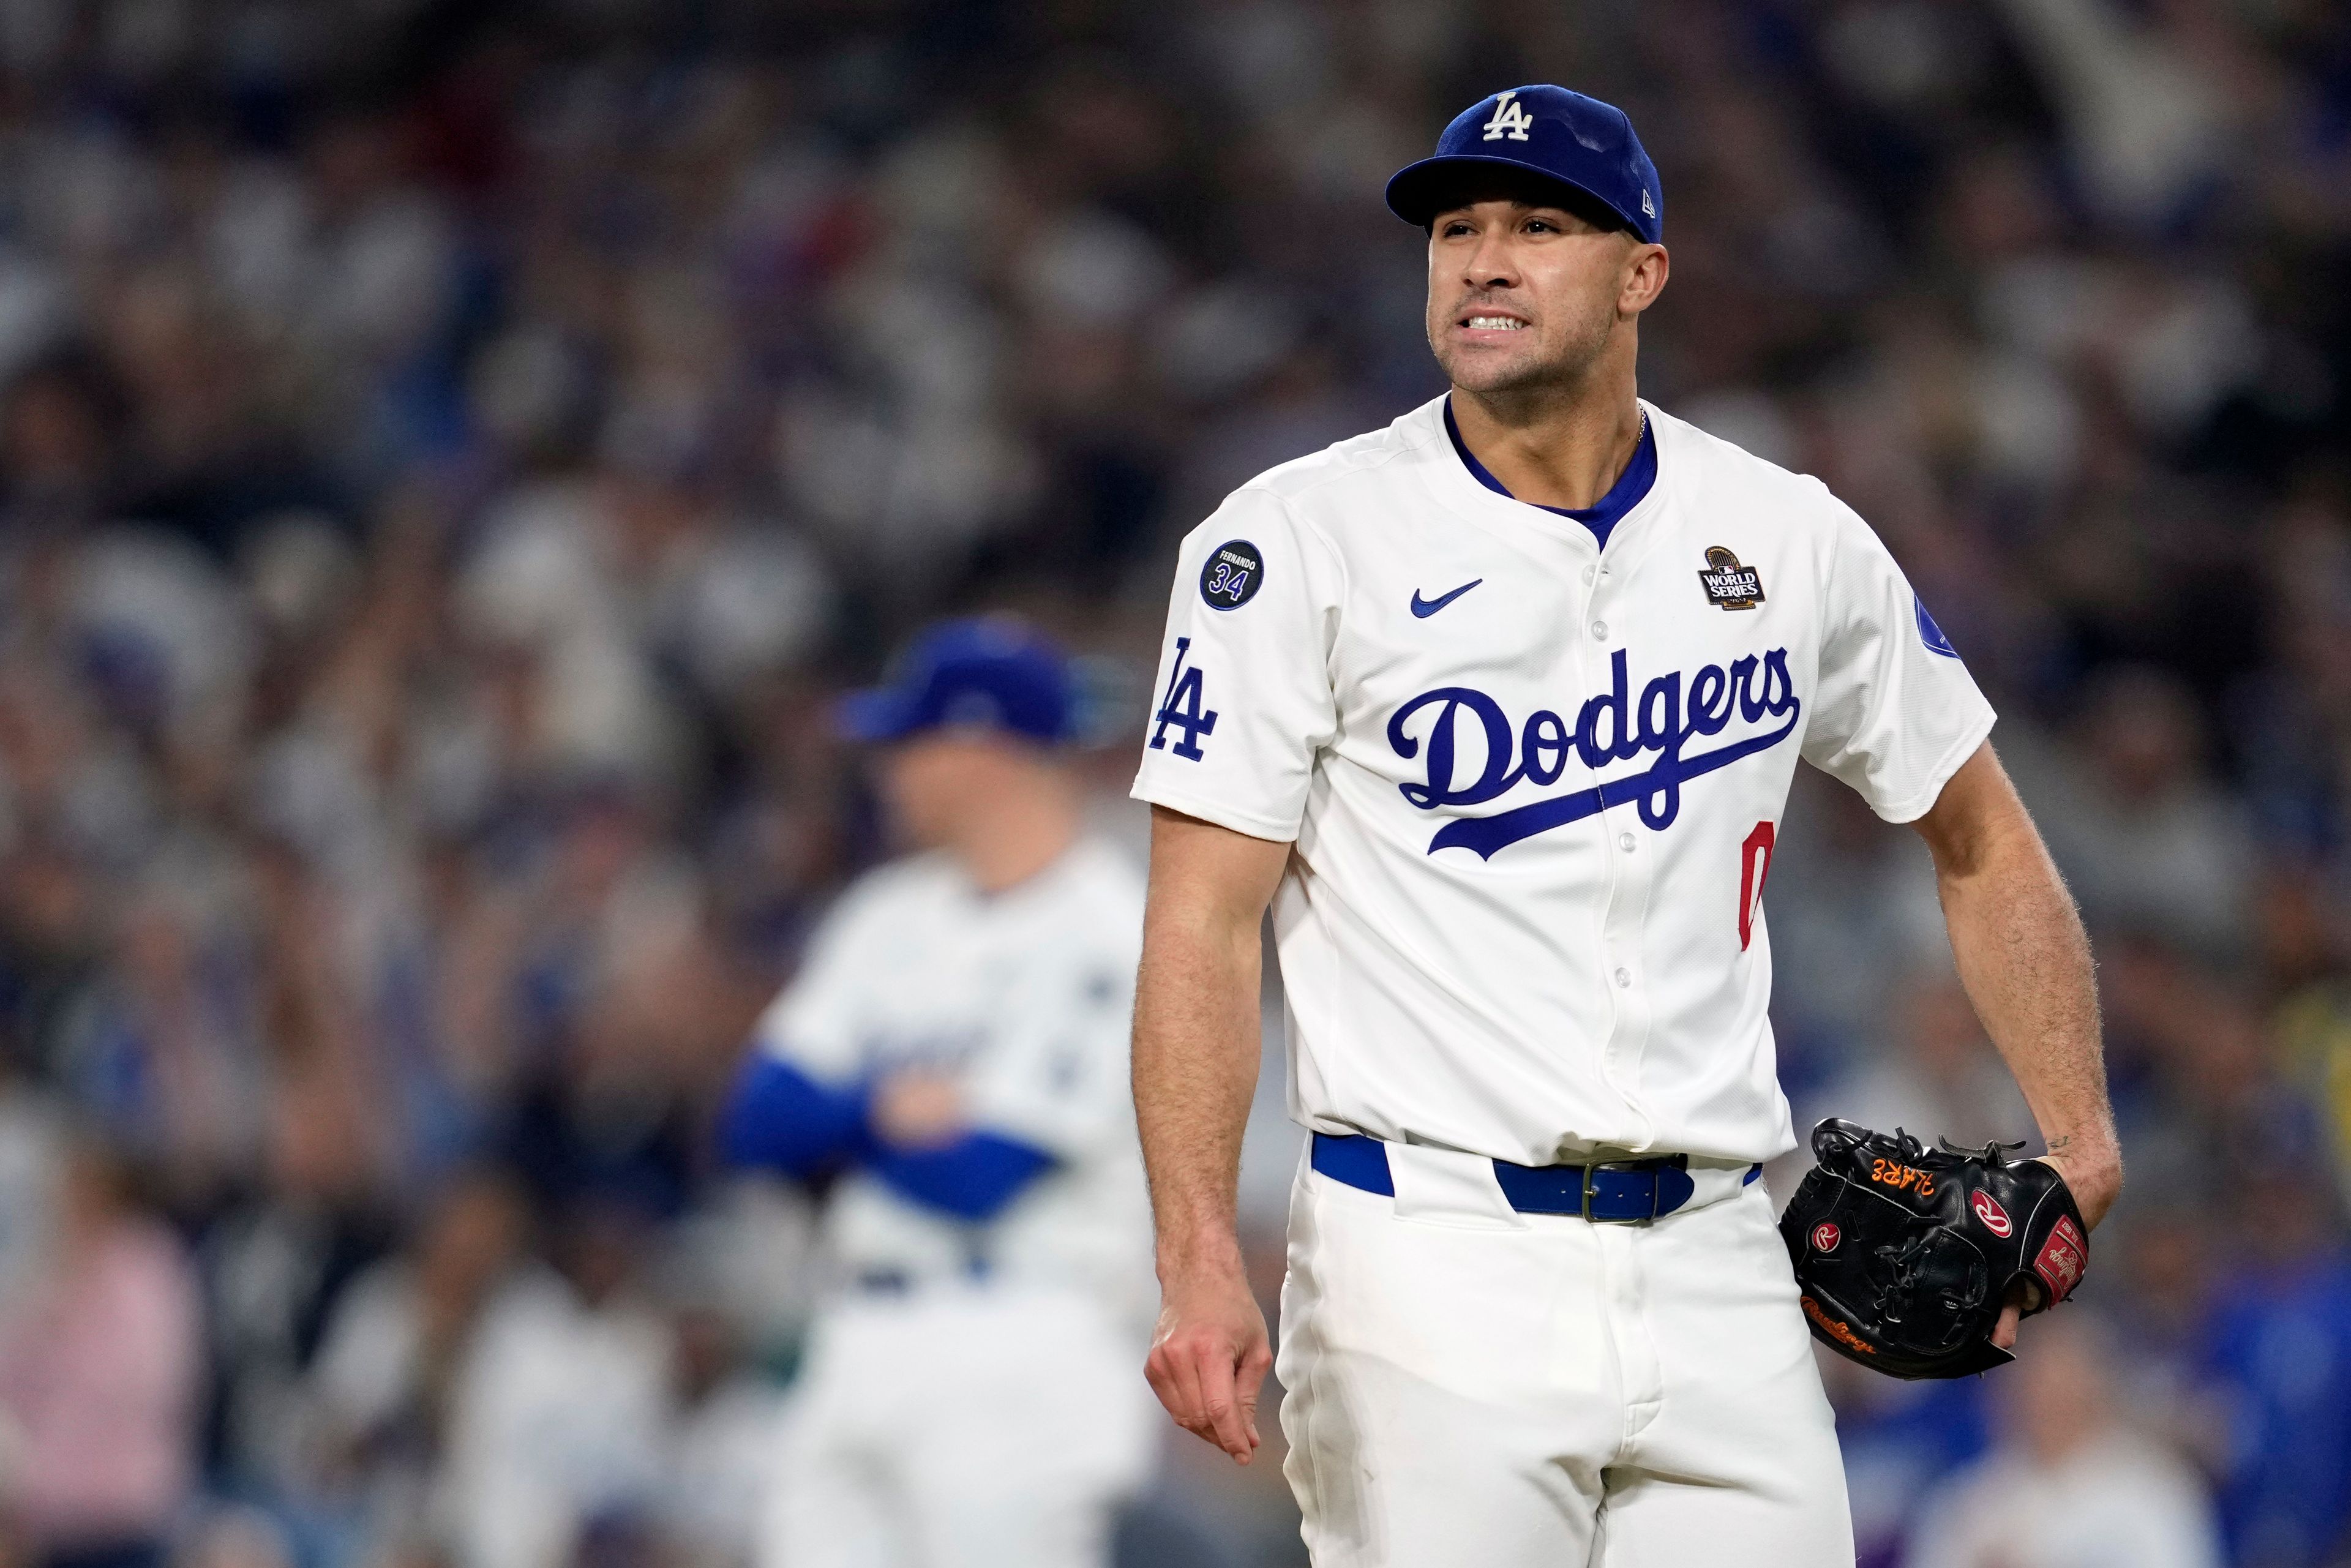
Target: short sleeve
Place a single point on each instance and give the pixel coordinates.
(1897, 712)
(1243, 699)
(816, 1024)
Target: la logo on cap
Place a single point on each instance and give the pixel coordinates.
(1509, 119)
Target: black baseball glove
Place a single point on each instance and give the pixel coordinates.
(1905, 1254)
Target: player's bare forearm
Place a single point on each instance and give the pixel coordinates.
(2025, 962)
(1195, 1028)
(1197, 1049)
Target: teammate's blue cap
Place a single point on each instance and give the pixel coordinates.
(1560, 135)
(991, 672)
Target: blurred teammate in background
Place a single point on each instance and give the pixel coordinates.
(949, 1071)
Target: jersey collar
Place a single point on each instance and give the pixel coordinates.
(1631, 487)
(1446, 471)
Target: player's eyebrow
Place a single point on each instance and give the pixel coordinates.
(1568, 216)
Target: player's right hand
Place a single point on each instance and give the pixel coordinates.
(914, 1109)
(1208, 1358)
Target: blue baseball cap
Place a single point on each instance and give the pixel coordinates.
(987, 673)
(1561, 136)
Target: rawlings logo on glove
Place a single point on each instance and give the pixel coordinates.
(1905, 1254)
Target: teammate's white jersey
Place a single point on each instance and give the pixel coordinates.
(1026, 997)
(1534, 783)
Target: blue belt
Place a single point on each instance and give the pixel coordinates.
(888, 1282)
(1608, 1192)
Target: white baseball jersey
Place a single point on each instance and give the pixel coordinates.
(1533, 783)
(1026, 997)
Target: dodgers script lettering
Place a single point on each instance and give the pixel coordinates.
(1609, 728)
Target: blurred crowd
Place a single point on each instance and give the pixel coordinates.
(451, 453)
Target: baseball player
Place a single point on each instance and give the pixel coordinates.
(950, 1071)
(1496, 709)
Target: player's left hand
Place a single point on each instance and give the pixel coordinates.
(2022, 1298)
(2093, 1177)
(1919, 1261)
(2094, 1184)
(917, 1110)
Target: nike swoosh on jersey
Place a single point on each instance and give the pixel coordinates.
(1424, 608)
(1487, 834)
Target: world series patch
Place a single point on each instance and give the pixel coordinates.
(1231, 576)
(1728, 584)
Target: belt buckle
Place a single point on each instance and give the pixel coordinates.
(1593, 1165)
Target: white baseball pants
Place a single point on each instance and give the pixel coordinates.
(1468, 1384)
(962, 1426)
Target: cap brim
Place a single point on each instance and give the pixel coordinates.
(1418, 192)
(875, 716)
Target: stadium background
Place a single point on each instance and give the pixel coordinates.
(451, 453)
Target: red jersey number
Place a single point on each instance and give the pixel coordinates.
(1754, 865)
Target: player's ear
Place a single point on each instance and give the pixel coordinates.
(1646, 269)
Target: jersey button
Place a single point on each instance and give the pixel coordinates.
(1600, 631)
(1590, 572)
(1624, 842)
(1624, 978)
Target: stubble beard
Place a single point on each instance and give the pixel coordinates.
(1531, 377)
